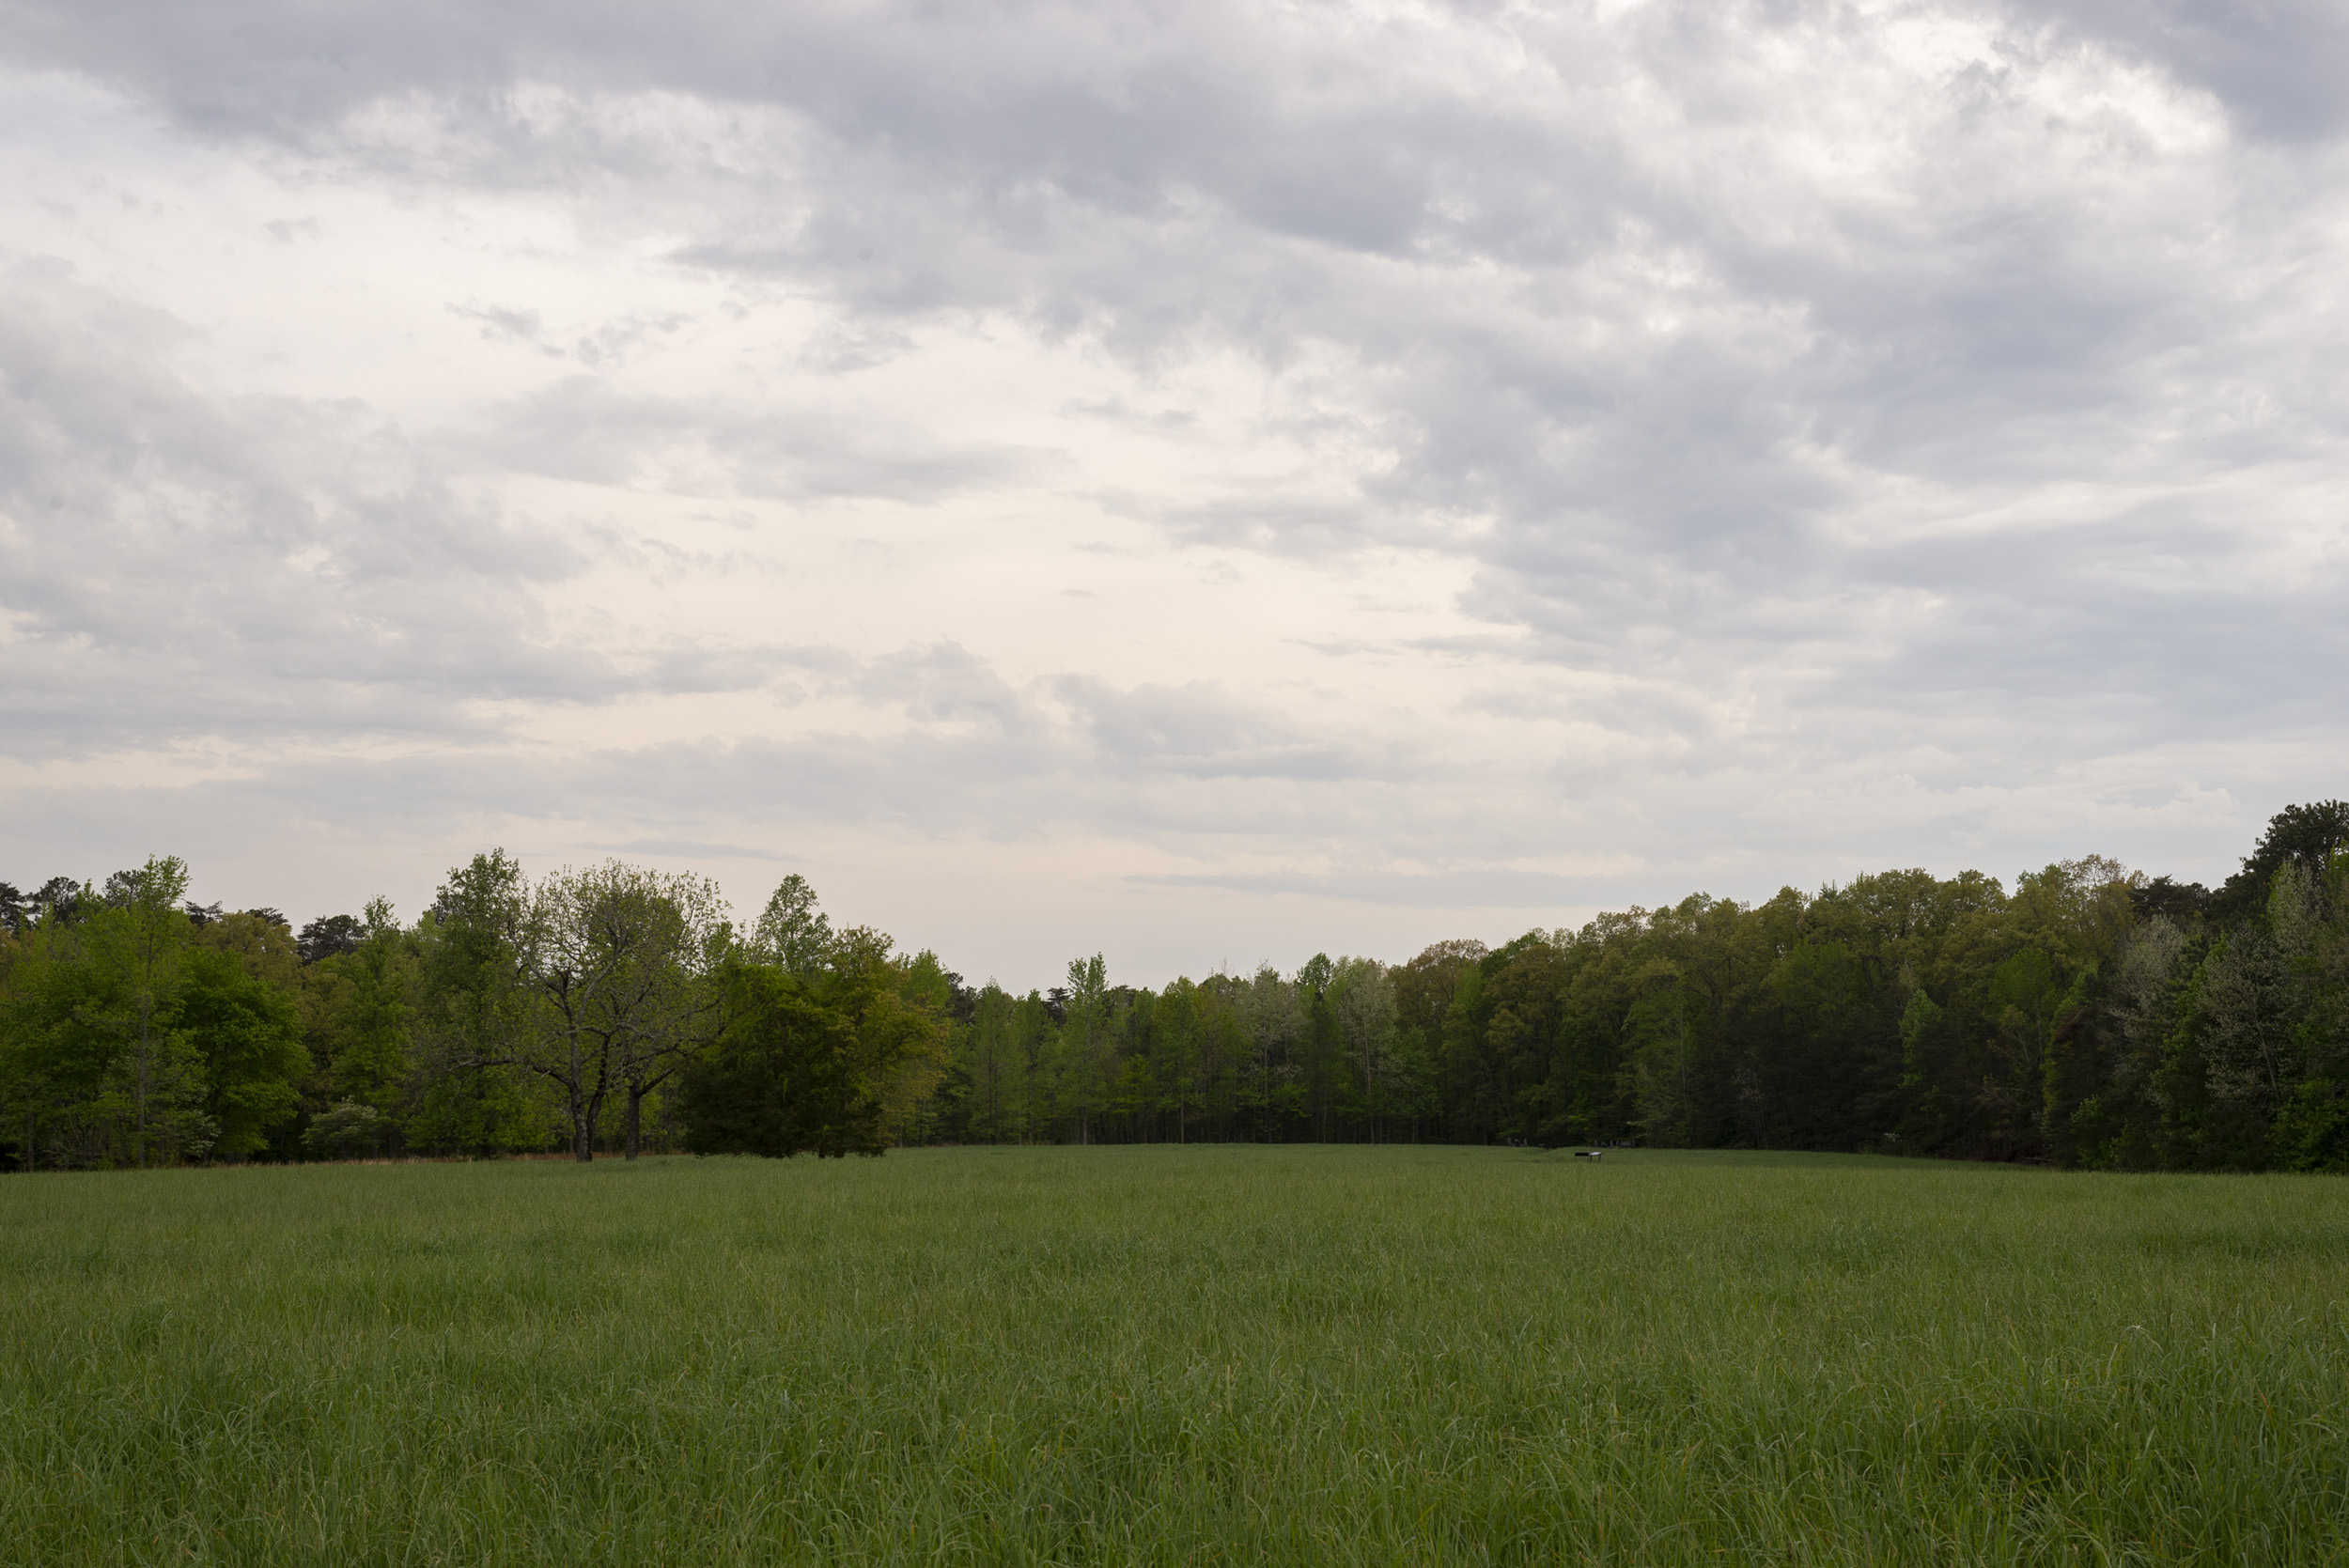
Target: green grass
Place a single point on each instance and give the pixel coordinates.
(1323, 1355)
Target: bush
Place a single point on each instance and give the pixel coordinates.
(334, 1133)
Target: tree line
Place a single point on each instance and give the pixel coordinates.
(2089, 1015)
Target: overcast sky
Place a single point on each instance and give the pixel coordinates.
(1208, 482)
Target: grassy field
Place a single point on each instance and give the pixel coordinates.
(1324, 1355)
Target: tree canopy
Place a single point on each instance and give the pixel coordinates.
(2086, 1015)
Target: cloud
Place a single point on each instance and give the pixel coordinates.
(583, 427)
(2277, 67)
(1197, 731)
(180, 567)
(175, 561)
(1672, 434)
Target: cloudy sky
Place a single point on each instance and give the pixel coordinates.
(1207, 482)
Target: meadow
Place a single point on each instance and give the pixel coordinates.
(1173, 1355)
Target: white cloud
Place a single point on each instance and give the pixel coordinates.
(1319, 475)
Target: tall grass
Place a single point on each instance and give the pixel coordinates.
(1165, 1354)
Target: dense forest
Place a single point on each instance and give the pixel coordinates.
(2089, 1015)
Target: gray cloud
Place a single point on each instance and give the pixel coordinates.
(178, 565)
(1810, 399)
(2278, 66)
(1197, 730)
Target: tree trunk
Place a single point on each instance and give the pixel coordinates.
(583, 1129)
(635, 1119)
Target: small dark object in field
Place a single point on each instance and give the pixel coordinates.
(1588, 1154)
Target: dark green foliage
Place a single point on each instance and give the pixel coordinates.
(248, 1034)
(468, 1010)
(2304, 836)
(60, 897)
(330, 934)
(2180, 903)
(2311, 1129)
(785, 1077)
(2086, 1016)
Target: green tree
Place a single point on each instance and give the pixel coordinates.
(1362, 1005)
(371, 1063)
(792, 932)
(616, 957)
(1321, 1043)
(993, 1069)
(1669, 1066)
(1085, 1064)
(247, 1035)
(264, 946)
(1272, 1090)
(345, 1127)
(799, 1065)
(925, 992)
(148, 1078)
(2307, 836)
(1179, 1038)
(472, 1013)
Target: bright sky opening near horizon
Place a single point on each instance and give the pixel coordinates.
(1206, 483)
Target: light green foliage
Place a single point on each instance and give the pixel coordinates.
(1918, 1019)
(1169, 1354)
(472, 1013)
(1082, 1080)
(345, 1129)
(92, 1020)
(2249, 997)
(1179, 1036)
(149, 1087)
(1271, 1019)
(792, 931)
(900, 1008)
(371, 1025)
(895, 1001)
(613, 960)
(265, 949)
(132, 1037)
(2023, 998)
